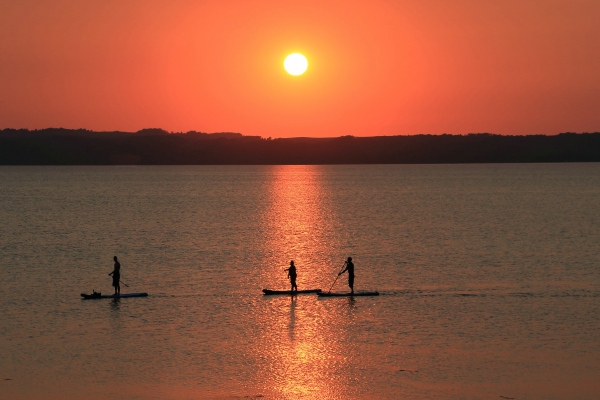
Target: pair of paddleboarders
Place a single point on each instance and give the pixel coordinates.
(348, 267)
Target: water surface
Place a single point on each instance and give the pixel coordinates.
(488, 277)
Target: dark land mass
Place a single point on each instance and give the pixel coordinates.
(57, 146)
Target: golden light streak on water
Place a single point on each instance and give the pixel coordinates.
(297, 356)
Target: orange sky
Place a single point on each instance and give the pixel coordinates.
(375, 67)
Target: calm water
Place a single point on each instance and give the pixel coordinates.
(489, 278)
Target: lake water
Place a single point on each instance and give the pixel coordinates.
(489, 279)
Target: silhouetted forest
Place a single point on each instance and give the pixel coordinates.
(57, 146)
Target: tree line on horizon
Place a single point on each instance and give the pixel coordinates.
(59, 146)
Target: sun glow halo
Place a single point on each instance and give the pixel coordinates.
(295, 64)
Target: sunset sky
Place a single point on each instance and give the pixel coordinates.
(378, 67)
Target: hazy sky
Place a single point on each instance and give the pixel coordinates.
(377, 67)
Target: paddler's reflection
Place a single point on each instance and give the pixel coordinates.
(351, 302)
(114, 304)
(292, 323)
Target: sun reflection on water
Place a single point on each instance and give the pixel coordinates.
(301, 357)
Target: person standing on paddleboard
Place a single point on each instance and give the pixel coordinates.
(292, 275)
(350, 268)
(116, 276)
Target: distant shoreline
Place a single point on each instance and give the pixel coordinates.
(58, 146)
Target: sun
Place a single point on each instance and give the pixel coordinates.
(295, 64)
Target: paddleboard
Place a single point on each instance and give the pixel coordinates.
(267, 291)
(334, 294)
(111, 296)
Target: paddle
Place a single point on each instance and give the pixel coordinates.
(338, 275)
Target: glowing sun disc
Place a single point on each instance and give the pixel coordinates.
(295, 64)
